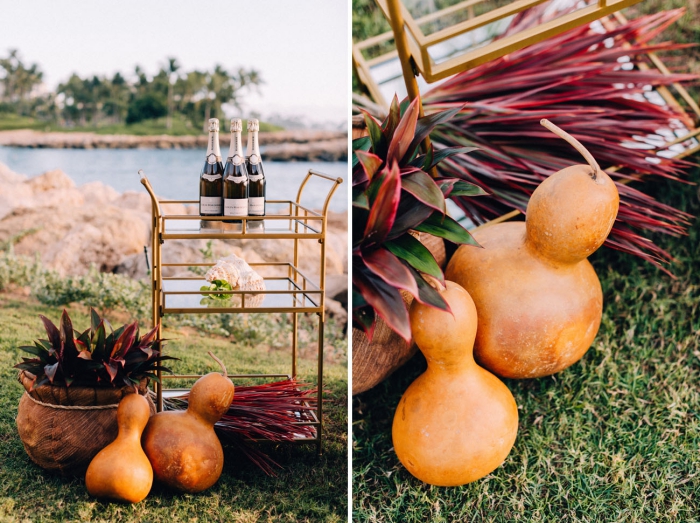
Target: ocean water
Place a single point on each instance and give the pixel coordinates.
(174, 174)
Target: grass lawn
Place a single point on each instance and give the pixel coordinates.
(309, 488)
(616, 437)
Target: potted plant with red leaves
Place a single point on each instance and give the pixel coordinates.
(73, 383)
(399, 200)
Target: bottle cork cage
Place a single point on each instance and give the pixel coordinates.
(287, 289)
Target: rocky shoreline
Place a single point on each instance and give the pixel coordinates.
(286, 146)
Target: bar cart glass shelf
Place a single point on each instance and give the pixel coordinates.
(287, 289)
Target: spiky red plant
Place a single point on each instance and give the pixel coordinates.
(580, 81)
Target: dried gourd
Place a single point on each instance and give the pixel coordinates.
(182, 446)
(121, 471)
(456, 422)
(539, 299)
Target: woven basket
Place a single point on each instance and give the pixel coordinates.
(62, 428)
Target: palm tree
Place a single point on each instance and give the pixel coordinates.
(75, 99)
(18, 81)
(224, 87)
(117, 99)
(172, 69)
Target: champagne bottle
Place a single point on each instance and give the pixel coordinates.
(210, 181)
(256, 176)
(236, 175)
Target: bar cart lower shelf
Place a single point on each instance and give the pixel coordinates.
(287, 289)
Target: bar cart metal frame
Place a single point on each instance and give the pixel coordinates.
(412, 45)
(302, 295)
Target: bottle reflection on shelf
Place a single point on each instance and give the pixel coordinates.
(211, 225)
(253, 225)
(256, 226)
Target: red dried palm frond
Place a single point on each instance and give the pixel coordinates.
(589, 83)
(269, 411)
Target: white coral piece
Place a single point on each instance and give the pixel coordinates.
(237, 273)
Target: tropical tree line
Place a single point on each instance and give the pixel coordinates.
(194, 96)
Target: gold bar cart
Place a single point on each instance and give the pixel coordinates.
(293, 292)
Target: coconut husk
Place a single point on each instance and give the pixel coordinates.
(373, 362)
(63, 428)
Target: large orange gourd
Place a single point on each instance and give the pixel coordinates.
(539, 300)
(456, 422)
(182, 446)
(121, 471)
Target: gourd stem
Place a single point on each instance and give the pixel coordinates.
(221, 363)
(574, 143)
(433, 282)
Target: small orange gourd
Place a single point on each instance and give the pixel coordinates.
(121, 471)
(456, 422)
(539, 299)
(182, 446)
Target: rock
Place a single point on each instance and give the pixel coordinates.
(335, 310)
(323, 151)
(50, 181)
(134, 266)
(135, 201)
(337, 288)
(98, 192)
(101, 238)
(9, 176)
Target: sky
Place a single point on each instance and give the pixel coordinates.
(300, 47)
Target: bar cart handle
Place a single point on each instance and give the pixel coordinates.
(152, 194)
(311, 173)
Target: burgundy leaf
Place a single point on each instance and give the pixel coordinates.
(70, 351)
(390, 269)
(370, 163)
(111, 369)
(424, 188)
(124, 342)
(379, 143)
(385, 300)
(425, 125)
(404, 133)
(392, 120)
(51, 331)
(409, 215)
(364, 319)
(50, 371)
(147, 339)
(383, 213)
(427, 295)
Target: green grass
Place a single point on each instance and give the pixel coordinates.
(616, 437)
(308, 488)
(13, 122)
(180, 126)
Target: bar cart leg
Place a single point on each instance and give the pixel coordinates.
(409, 76)
(319, 406)
(157, 317)
(295, 341)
